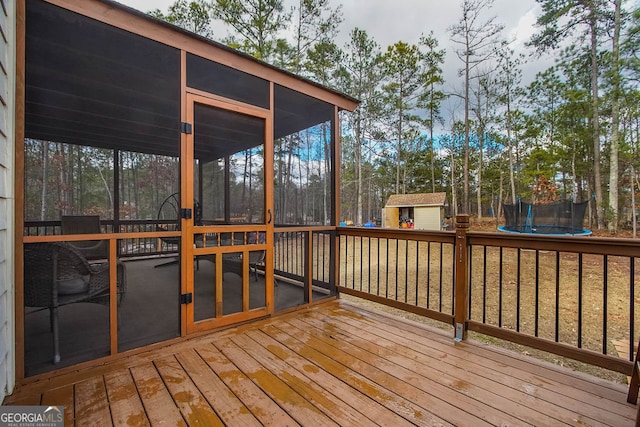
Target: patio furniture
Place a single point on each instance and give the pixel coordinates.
(86, 224)
(256, 257)
(169, 220)
(57, 274)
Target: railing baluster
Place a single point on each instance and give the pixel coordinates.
(580, 300)
(406, 270)
(453, 281)
(518, 293)
(361, 239)
(557, 296)
(632, 299)
(500, 289)
(386, 287)
(605, 303)
(484, 284)
(470, 297)
(395, 297)
(346, 258)
(537, 284)
(428, 273)
(417, 270)
(378, 266)
(369, 266)
(440, 289)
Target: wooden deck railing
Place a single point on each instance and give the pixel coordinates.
(129, 247)
(407, 269)
(304, 254)
(571, 296)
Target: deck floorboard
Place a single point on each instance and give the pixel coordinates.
(332, 364)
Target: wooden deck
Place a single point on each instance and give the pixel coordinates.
(333, 364)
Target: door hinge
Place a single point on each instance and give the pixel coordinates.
(186, 127)
(186, 298)
(186, 213)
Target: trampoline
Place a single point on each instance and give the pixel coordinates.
(556, 218)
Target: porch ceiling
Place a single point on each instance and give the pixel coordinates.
(88, 83)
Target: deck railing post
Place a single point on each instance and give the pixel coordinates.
(461, 274)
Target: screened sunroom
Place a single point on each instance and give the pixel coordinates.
(170, 185)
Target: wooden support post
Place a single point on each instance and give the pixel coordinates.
(632, 396)
(461, 264)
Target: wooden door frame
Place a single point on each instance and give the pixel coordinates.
(188, 252)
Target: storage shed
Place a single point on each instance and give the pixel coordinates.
(424, 211)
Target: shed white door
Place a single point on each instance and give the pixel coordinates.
(427, 217)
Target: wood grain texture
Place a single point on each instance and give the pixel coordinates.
(332, 364)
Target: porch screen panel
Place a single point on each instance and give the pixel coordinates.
(88, 83)
(303, 144)
(66, 317)
(97, 95)
(303, 182)
(230, 149)
(219, 79)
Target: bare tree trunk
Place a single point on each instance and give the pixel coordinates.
(465, 195)
(62, 182)
(454, 201)
(135, 167)
(596, 124)
(433, 155)
(500, 197)
(80, 186)
(45, 172)
(615, 125)
(358, 160)
(280, 179)
(512, 177)
(106, 186)
(399, 150)
(634, 210)
(288, 177)
(303, 194)
(479, 190)
(245, 171)
(574, 190)
(327, 176)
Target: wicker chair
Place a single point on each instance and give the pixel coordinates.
(56, 274)
(86, 224)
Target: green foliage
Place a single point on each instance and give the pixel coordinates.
(394, 140)
(256, 23)
(194, 16)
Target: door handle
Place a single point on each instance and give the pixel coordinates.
(270, 216)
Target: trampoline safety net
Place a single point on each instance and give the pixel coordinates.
(562, 217)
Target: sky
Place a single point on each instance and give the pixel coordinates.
(390, 21)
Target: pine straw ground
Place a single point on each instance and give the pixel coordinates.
(440, 282)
